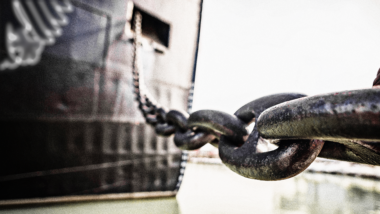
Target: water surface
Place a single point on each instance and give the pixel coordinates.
(215, 189)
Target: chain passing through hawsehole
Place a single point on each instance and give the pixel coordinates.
(342, 126)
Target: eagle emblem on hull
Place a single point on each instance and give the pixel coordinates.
(39, 22)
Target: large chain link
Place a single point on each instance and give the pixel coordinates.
(342, 126)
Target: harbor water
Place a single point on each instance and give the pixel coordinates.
(213, 188)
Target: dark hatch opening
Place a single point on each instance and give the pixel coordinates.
(153, 28)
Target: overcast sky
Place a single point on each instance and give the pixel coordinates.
(252, 48)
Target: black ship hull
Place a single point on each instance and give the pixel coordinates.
(69, 122)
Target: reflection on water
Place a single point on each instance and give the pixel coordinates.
(321, 193)
(215, 189)
(166, 205)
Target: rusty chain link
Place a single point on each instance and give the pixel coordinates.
(342, 126)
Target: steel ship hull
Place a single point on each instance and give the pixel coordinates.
(69, 122)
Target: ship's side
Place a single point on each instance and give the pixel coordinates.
(69, 122)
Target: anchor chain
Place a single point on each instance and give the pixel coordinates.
(342, 126)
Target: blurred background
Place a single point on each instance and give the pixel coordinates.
(253, 48)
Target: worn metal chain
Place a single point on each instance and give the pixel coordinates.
(166, 123)
(342, 126)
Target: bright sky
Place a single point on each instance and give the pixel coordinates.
(252, 48)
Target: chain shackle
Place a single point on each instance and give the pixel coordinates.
(242, 155)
